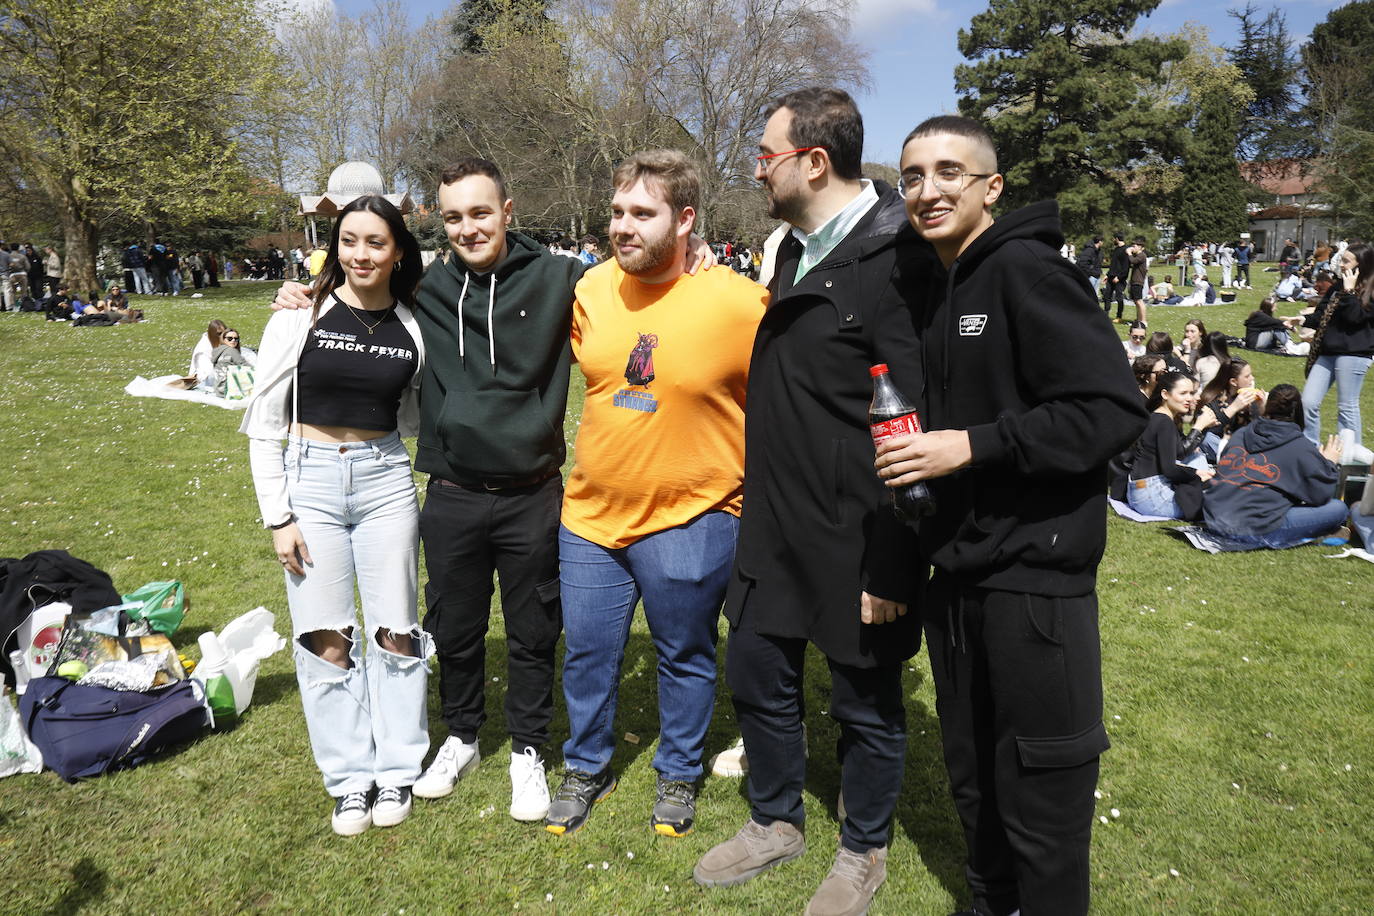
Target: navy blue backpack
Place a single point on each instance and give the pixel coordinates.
(90, 731)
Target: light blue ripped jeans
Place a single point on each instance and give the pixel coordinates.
(357, 511)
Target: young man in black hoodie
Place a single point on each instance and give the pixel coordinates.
(1016, 455)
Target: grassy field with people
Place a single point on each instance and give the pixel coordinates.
(1238, 699)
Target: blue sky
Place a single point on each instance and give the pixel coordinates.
(913, 48)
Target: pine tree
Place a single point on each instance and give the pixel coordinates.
(1211, 199)
(1264, 53)
(1058, 84)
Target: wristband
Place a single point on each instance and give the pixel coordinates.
(277, 527)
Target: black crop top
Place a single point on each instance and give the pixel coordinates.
(353, 368)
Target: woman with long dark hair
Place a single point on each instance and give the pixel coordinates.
(1191, 349)
(1343, 344)
(1229, 396)
(202, 356)
(339, 382)
(1273, 488)
(1159, 485)
(1212, 356)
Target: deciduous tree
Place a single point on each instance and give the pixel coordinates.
(124, 108)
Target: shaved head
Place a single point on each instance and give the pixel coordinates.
(967, 128)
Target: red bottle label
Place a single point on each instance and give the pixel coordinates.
(905, 425)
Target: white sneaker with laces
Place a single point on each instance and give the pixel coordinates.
(454, 761)
(529, 786)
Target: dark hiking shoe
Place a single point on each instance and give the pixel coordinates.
(574, 799)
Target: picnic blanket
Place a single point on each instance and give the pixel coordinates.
(142, 387)
(1212, 542)
(1352, 552)
(1125, 511)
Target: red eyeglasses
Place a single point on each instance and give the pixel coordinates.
(763, 160)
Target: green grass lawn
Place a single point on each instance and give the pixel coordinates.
(1238, 696)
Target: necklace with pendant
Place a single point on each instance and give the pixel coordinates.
(371, 328)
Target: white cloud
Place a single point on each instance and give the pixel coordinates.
(873, 15)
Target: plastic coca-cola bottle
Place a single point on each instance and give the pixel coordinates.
(891, 415)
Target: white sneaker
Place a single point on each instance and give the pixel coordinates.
(731, 762)
(454, 761)
(529, 787)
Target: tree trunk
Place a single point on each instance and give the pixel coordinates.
(82, 241)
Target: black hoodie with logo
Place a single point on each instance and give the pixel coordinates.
(1016, 351)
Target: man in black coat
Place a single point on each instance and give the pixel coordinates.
(822, 557)
(1118, 271)
(1090, 262)
(1016, 455)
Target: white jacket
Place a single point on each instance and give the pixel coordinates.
(202, 366)
(266, 420)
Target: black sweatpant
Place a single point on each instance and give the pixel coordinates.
(1116, 291)
(1018, 687)
(469, 535)
(765, 676)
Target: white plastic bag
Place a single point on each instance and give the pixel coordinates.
(17, 752)
(240, 647)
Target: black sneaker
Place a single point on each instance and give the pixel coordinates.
(352, 813)
(392, 806)
(574, 799)
(676, 807)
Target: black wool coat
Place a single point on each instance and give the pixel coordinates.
(818, 527)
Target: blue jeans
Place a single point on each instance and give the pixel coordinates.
(681, 574)
(356, 507)
(1348, 372)
(1300, 523)
(1155, 498)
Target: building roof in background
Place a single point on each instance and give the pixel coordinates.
(1281, 176)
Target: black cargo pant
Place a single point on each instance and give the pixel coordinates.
(1018, 687)
(469, 535)
(765, 676)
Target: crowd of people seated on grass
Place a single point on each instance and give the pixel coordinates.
(1246, 462)
(91, 309)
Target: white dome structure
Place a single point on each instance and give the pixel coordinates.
(347, 183)
(356, 178)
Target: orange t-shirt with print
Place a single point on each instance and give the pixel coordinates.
(662, 433)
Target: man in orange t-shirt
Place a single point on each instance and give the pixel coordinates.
(651, 508)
